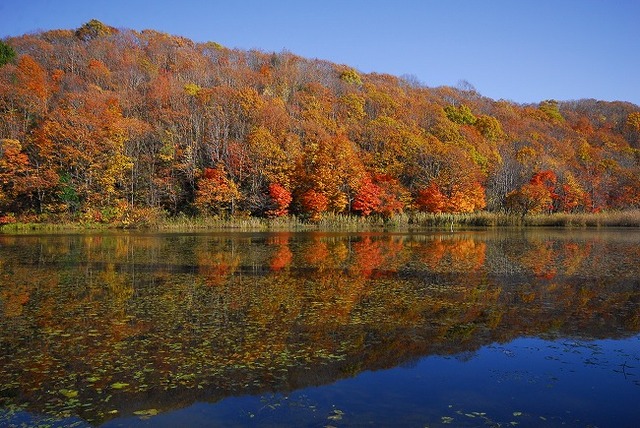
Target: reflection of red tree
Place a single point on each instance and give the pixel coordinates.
(541, 260)
(217, 267)
(573, 256)
(368, 256)
(14, 299)
(317, 252)
(282, 258)
(433, 253)
(459, 254)
(279, 238)
(468, 254)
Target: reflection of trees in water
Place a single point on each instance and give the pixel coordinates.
(205, 313)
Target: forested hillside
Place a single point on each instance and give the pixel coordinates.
(97, 123)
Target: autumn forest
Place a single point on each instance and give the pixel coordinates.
(99, 124)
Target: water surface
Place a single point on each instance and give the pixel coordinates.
(534, 328)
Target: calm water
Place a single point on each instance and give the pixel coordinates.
(535, 328)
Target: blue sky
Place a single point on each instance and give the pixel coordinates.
(519, 50)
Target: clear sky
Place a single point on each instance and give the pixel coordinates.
(519, 50)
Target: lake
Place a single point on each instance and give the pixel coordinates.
(483, 328)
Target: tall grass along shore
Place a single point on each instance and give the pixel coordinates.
(338, 222)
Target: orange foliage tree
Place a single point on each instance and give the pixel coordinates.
(367, 199)
(431, 199)
(572, 197)
(280, 199)
(467, 198)
(536, 196)
(393, 196)
(314, 204)
(383, 195)
(14, 173)
(216, 193)
(460, 199)
(22, 186)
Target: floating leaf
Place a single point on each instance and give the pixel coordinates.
(69, 393)
(336, 416)
(148, 412)
(119, 385)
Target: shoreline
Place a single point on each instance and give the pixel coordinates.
(346, 223)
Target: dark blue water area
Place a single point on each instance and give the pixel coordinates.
(527, 382)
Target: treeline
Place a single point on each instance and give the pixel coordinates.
(103, 124)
